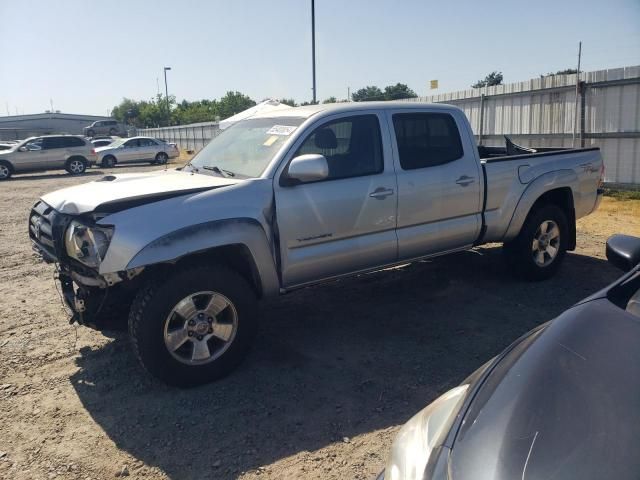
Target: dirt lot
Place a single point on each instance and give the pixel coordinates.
(335, 371)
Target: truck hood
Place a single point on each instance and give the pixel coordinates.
(113, 193)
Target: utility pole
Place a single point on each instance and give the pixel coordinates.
(166, 92)
(313, 46)
(575, 117)
(348, 94)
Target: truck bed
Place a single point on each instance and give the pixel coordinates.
(508, 172)
(510, 149)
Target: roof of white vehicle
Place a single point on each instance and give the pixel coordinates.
(309, 110)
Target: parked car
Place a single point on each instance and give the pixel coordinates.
(294, 197)
(136, 149)
(105, 127)
(73, 153)
(102, 142)
(560, 402)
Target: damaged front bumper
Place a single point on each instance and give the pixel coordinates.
(95, 302)
(94, 299)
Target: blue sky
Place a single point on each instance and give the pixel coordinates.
(86, 56)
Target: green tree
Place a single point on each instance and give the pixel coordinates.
(330, 100)
(494, 78)
(232, 103)
(288, 101)
(566, 71)
(367, 94)
(398, 91)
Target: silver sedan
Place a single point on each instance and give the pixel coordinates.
(136, 149)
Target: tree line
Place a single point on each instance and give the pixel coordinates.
(154, 112)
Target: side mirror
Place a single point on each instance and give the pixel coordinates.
(307, 168)
(23, 149)
(623, 251)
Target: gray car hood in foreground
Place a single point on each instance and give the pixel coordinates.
(112, 192)
(562, 404)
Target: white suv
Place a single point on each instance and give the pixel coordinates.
(73, 153)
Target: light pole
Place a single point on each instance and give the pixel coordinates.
(313, 46)
(166, 91)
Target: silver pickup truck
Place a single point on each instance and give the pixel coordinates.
(288, 199)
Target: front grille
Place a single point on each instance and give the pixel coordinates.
(43, 231)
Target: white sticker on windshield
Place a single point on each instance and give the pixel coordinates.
(281, 130)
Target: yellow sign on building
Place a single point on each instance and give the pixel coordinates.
(434, 84)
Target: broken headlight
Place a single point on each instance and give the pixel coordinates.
(87, 244)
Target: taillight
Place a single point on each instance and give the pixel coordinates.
(601, 183)
(93, 150)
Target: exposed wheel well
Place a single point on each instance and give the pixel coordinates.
(236, 256)
(115, 160)
(563, 198)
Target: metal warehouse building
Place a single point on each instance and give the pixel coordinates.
(24, 126)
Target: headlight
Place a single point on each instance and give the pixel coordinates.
(418, 437)
(87, 244)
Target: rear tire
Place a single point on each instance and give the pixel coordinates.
(108, 162)
(183, 343)
(161, 158)
(6, 170)
(76, 166)
(90, 133)
(539, 249)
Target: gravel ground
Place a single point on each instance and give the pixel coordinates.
(335, 371)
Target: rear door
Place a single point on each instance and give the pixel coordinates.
(439, 191)
(55, 149)
(346, 222)
(148, 148)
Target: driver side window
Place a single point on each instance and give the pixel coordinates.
(131, 144)
(34, 145)
(351, 145)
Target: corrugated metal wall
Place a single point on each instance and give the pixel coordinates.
(187, 137)
(541, 112)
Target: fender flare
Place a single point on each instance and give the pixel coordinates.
(541, 185)
(206, 236)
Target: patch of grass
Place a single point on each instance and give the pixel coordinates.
(622, 194)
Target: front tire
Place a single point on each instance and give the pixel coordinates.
(539, 249)
(108, 162)
(195, 327)
(76, 166)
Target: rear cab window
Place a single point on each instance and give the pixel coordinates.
(426, 139)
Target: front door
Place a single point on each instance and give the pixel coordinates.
(346, 222)
(130, 151)
(439, 183)
(30, 156)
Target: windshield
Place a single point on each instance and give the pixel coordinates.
(246, 148)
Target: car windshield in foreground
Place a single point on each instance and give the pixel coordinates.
(246, 148)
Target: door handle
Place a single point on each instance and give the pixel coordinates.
(465, 180)
(381, 193)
